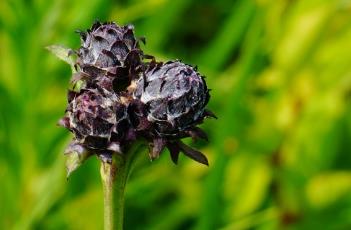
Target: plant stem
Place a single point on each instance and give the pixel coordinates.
(114, 177)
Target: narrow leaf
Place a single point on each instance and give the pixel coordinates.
(63, 53)
(192, 153)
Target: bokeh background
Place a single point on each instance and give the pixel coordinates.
(280, 152)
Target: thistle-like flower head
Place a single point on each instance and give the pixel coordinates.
(98, 120)
(110, 51)
(108, 45)
(173, 97)
(118, 98)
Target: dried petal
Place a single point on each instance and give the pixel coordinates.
(157, 147)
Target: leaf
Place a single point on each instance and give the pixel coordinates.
(77, 86)
(192, 153)
(63, 53)
(326, 189)
(76, 156)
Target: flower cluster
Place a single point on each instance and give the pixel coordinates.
(121, 95)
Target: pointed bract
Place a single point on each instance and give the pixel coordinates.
(192, 153)
(173, 151)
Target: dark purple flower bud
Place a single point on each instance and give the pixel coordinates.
(99, 120)
(174, 96)
(108, 49)
(108, 45)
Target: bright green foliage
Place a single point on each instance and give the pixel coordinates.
(63, 53)
(279, 154)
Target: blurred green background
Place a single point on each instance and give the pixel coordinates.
(280, 152)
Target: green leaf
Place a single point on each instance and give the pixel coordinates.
(63, 53)
(76, 156)
(77, 86)
(326, 189)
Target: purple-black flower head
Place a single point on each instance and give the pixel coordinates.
(118, 98)
(99, 120)
(110, 49)
(173, 97)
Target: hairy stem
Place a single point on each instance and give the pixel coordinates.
(114, 177)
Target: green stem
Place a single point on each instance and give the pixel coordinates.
(114, 177)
